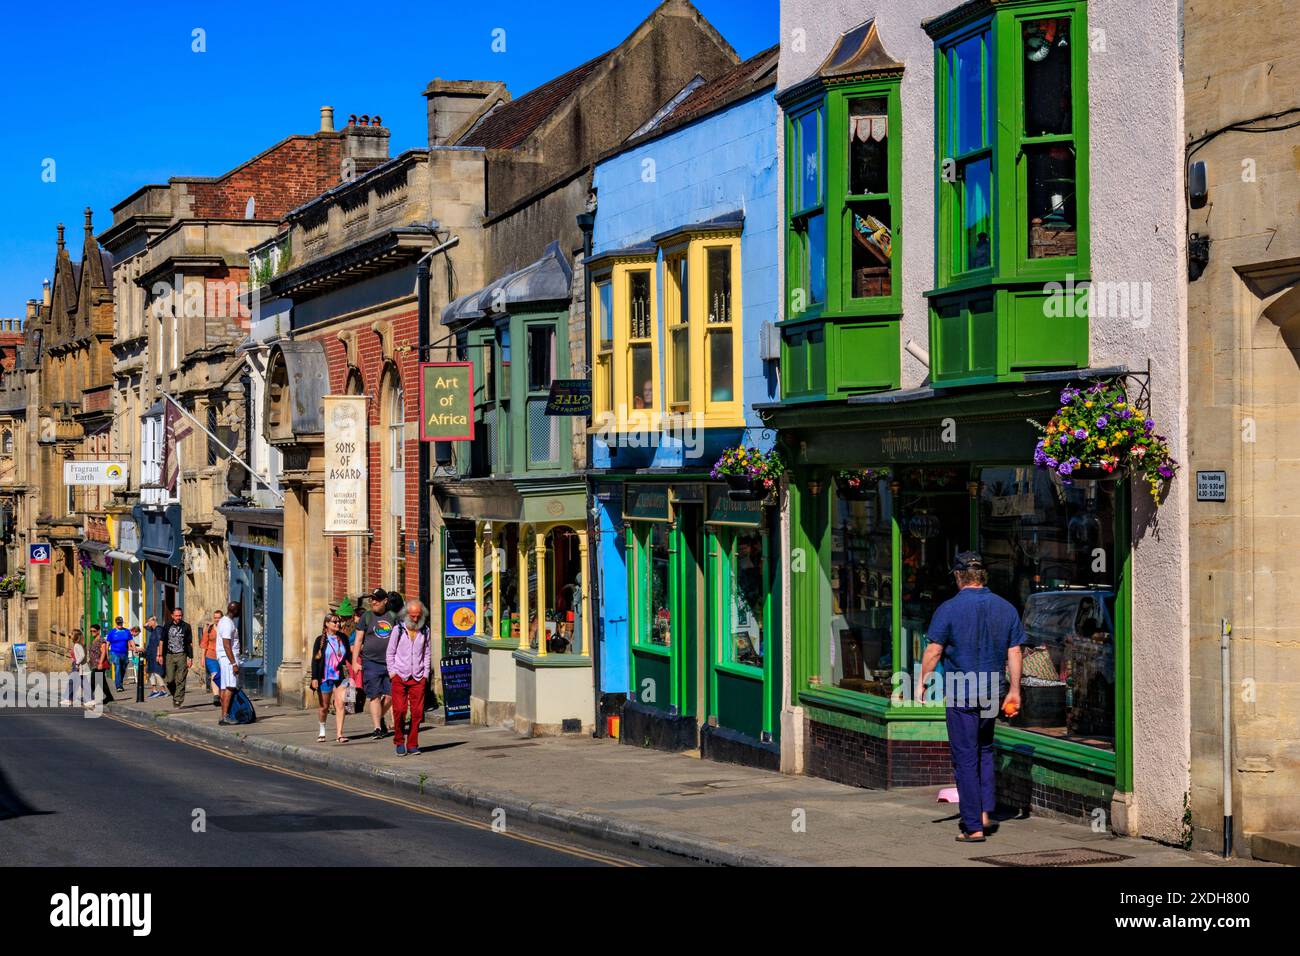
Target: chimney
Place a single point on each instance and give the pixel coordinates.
(327, 119)
(366, 142)
(45, 289)
(60, 231)
(453, 105)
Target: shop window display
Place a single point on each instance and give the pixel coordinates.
(858, 653)
(1050, 551)
(934, 525)
(745, 596)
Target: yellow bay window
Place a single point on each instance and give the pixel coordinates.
(625, 336)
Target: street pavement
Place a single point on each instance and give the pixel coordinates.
(636, 798)
(77, 792)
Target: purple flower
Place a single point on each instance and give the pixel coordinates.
(1068, 394)
(1165, 471)
(1103, 421)
(1148, 425)
(1063, 439)
(1074, 463)
(1126, 414)
(1051, 462)
(1080, 433)
(1065, 468)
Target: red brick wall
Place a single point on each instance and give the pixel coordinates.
(284, 177)
(370, 362)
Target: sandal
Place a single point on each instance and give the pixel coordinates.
(320, 739)
(341, 740)
(967, 838)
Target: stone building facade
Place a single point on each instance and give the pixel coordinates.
(1243, 348)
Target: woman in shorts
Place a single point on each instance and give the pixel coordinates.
(331, 658)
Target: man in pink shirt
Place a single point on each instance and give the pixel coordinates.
(408, 669)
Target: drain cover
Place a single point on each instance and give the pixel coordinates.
(295, 823)
(1070, 856)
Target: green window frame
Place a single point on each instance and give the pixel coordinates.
(723, 546)
(807, 270)
(641, 537)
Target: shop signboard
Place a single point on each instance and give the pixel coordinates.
(722, 510)
(569, 396)
(38, 553)
(446, 401)
(645, 502)
(77, 473)
(455, 667)
(346, 468)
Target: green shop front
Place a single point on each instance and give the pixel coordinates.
(947, 473)
(703, 617)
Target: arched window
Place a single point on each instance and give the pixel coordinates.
(392, 435)
(7, 442)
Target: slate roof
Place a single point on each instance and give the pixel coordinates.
(746, 77)
(509, 125)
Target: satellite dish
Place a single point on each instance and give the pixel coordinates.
(251, 207)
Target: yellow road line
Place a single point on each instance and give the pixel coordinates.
(441, 814)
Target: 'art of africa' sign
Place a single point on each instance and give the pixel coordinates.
(446, 401)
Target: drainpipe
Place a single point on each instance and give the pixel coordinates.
(591, 579)
(422, 319)
(1225, 630)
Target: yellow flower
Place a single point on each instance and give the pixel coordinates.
(1087, 404)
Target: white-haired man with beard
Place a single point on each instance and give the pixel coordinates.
(408, 670)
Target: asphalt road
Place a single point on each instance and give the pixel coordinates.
(98, 792)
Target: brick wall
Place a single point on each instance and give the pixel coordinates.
(865, 760)
(370, 361)
(282, 178)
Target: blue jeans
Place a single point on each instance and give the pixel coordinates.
(120, 664)
(970, 739)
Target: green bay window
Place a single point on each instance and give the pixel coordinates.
(1011, 190)
(843, 153)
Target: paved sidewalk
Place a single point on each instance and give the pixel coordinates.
(708, 811)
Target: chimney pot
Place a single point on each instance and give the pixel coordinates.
(327, 119)
(352, 119)
(365, 119)
(376, 121)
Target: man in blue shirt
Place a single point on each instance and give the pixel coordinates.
(979, 636)
(120, 648)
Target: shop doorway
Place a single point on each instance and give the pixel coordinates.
(935, 524)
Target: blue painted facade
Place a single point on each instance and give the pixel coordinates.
(721, 167)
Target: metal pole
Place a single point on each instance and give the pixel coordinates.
(220, 444)
(1225, 630)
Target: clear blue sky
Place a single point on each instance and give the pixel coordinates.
(114, 94)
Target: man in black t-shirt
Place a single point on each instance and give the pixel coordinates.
(377, 627)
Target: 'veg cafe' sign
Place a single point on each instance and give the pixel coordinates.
(446, 401)
(94, 472)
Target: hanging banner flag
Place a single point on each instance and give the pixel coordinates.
(446, 401)
(175, 427)
(346, 472)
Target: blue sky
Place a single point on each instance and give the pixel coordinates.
(115, 95)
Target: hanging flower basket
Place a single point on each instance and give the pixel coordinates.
(859, 484)
(750, 474)
(1098, 434)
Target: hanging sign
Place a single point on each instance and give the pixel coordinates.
(38, 553)
(1211, 486)
(94, 473)
(722, 510)
(346, 468)
(446, 401)
(645, 502)
(569, 396)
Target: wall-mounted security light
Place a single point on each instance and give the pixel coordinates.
(1198, 189)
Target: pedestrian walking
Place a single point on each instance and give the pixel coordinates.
(377, 627)
(152, 659)
(211, 669)
(331, 658)
(228, 657)
(120, 649)
(979, 636)
(78, 665)
(176, 654)
(408, 672)
(99, 666)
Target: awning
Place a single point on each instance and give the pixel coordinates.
(123, 556)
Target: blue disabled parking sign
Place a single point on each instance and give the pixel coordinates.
(38, 553)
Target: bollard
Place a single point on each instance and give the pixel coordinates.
(139, 679)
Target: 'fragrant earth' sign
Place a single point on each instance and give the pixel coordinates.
(446, 401)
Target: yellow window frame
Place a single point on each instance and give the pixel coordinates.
(619, 357)
(719, 414)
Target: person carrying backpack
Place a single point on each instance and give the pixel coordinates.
(408, 672)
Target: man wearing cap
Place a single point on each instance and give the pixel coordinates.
(979, 636)
(377, 626)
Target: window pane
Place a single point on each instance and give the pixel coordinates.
(967, 95)
(660, 615)
(977, 216)
(1041, 548)
(681, 365)
(816, 275)
(721, 385)
(1050, 201)
(541, 358)
(607, 378)
(683, 290)
(745, 605)
(638, 304)
(719, 287)
(868, 145)
(871, 248)
(606, 295)
(857, 652)
(1047, 76)
(642, 382)
(810, 159)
